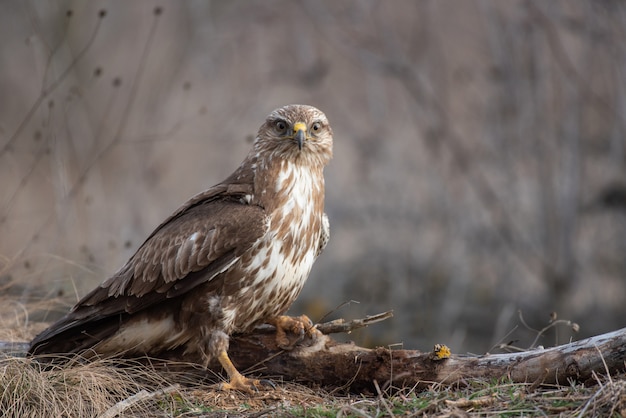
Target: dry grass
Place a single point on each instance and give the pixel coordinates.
(28, 390)
(104, 389)
(112, 388)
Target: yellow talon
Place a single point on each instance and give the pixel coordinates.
(237, 380)
(298, 326)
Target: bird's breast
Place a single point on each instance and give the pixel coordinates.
(278, 264)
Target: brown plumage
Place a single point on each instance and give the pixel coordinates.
(232, 257)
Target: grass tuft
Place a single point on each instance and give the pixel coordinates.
(91, 389)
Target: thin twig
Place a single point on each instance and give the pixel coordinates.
(606, 367)
(382, 400)
(589, 402)
(46, 91)
(551, 325)
(140, 396)
(341, 325)
(341, 305)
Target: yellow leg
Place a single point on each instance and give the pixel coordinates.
(236, 380)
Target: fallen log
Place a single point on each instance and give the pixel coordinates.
(325, 362)
(321, 361)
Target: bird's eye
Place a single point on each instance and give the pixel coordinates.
(316, 127)
(281, 126)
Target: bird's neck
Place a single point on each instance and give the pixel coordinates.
(293, 187)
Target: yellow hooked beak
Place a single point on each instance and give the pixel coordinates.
(299, 134)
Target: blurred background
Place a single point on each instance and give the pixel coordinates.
(480, 152)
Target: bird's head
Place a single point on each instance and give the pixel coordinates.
(297, 132)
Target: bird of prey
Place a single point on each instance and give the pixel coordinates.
(231, 258)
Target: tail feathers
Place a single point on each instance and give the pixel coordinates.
(70, 336)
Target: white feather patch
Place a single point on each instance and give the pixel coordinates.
(143, 336)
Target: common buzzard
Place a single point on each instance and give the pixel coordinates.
(231, 258)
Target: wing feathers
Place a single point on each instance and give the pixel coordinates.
(191, 243)
(195, 245)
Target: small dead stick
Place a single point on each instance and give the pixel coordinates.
(341, 325)
(141, 396)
